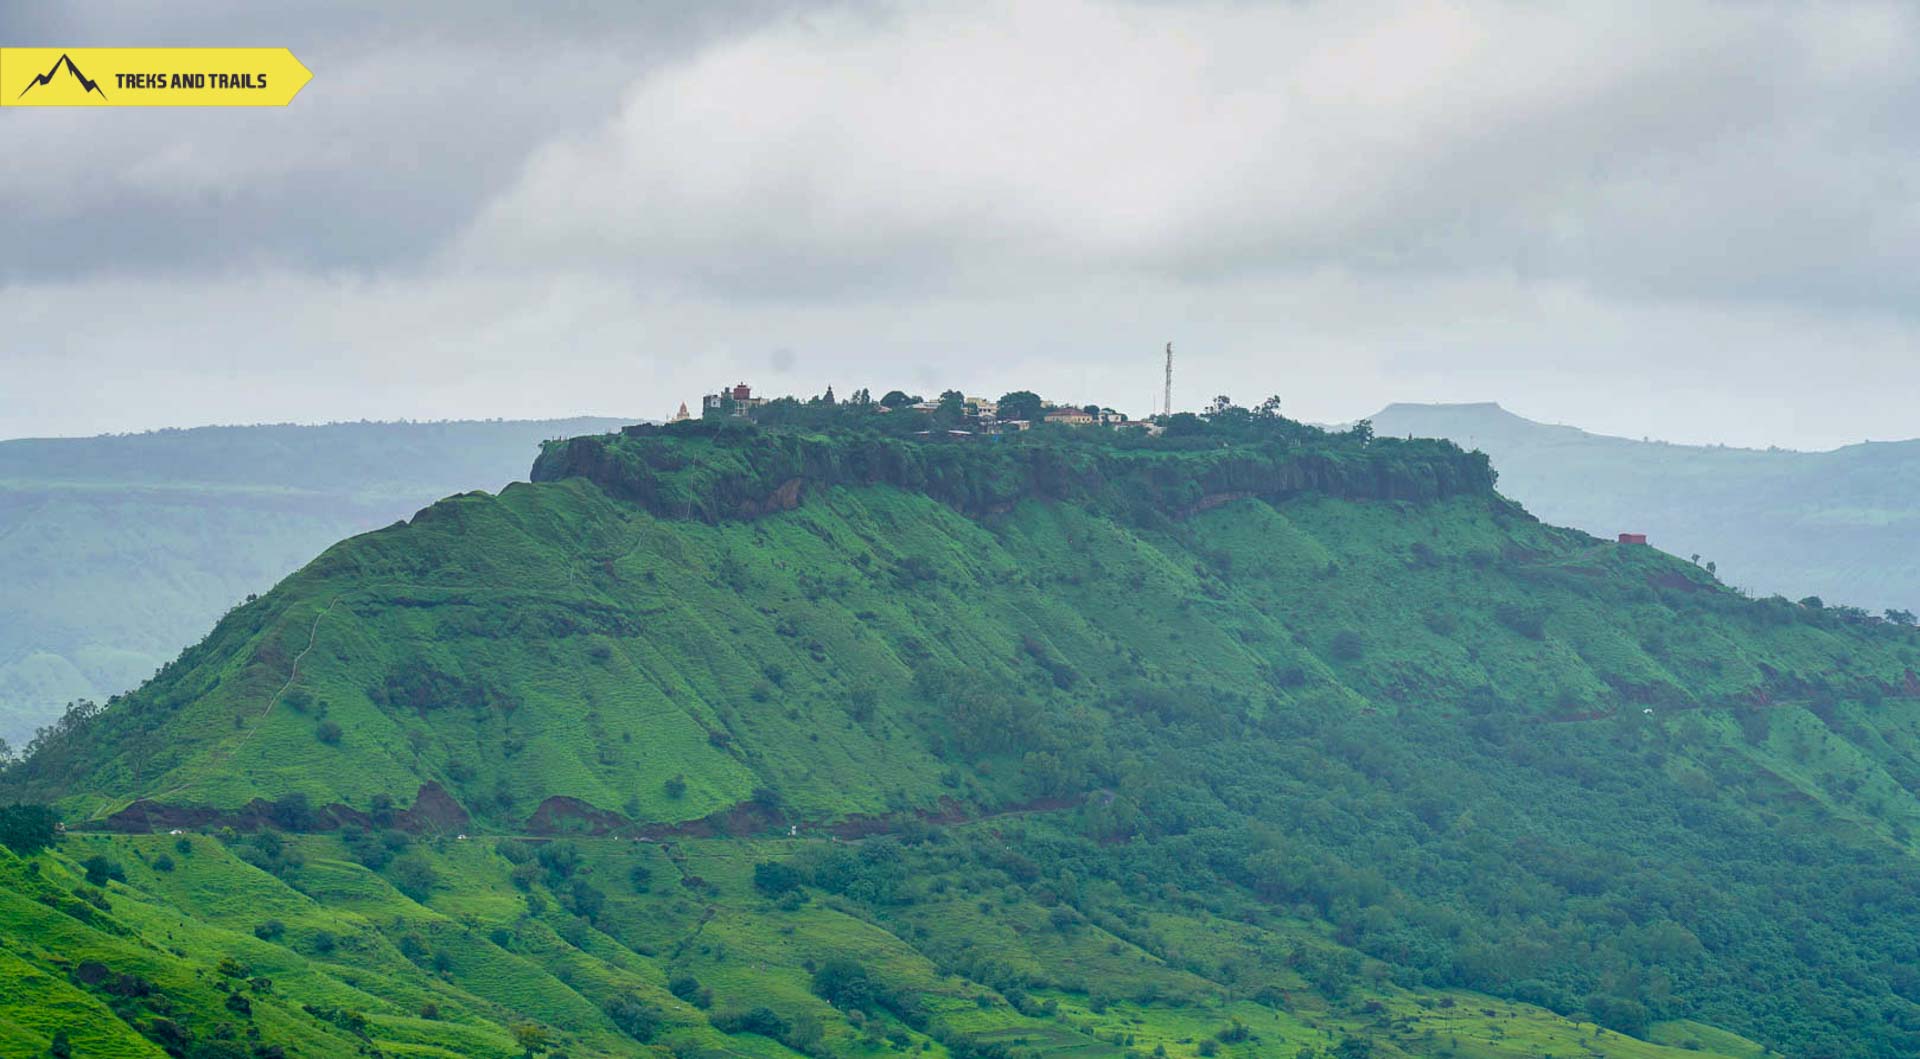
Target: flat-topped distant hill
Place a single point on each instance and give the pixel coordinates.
(118, 551)
(1843, 525)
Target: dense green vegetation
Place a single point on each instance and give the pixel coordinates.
(1251, 740)
(1839, 525)
(730, 469)
(116, 552)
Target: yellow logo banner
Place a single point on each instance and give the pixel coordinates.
(150, 77)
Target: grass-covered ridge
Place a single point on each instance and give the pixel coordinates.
(1075, 768)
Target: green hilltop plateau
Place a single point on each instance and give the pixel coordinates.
(828, 732)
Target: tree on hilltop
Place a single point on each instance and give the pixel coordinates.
(1020, 404)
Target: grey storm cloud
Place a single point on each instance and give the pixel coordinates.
(1690, 220)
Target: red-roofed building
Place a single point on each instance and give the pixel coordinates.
(736, 399)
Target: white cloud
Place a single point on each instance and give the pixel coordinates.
(1676, 149)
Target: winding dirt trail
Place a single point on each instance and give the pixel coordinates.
(219, 753)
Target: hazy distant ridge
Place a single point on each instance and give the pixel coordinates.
(1840, 524)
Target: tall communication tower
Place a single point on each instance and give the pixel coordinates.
(1166, 396)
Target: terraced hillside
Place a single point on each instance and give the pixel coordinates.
(1252, 741)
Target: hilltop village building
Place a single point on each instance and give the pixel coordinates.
(737, 399)
(1068, 415)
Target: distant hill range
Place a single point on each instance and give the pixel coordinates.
(118, 551)
(1840, 525)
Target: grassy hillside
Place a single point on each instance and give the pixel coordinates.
(116, 552)
(1250, 742)
(1839, 524)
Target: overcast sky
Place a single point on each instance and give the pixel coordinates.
(1688, 221)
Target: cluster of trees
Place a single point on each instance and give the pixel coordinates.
(1856, 615)
(55, 741)
(893, 413)
(27, 829)
(845, 983)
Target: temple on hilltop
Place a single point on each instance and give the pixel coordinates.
(737, 399)
(682, 415)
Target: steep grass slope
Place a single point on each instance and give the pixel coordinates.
(116, 552)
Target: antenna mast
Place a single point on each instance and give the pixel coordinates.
(1166, 397)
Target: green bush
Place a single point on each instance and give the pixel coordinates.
(99, 870)
(761, 1020)
(689, 990)
(845, 984)
(635, 1017)
(774, 877)
(1528, 620)
(413, 876)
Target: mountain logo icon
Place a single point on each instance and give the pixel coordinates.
(47, 78)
